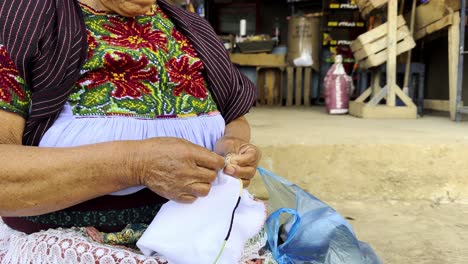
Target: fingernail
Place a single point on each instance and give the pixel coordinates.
(230, 170)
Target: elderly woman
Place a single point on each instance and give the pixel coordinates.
(110, 108)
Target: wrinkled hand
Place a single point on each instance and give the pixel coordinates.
(242, 157)
(175, 168)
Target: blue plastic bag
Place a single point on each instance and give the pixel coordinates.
(303, 229)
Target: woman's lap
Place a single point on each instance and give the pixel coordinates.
(75, 246)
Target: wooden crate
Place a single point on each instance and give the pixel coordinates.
(440, 24)
(299, 84)
(367, 6)
(269, 85)
(370, 48)
(433, 11)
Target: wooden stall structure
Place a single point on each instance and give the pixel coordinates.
(430, 18)
(374, 48)
(270, 69)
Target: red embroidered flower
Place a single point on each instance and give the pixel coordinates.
(161, 12)
(187, 77)
(92, 44)
(125, 73)
(132, 35)
(8, 83)
(184, 43)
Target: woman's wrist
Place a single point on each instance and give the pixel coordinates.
(125, 163)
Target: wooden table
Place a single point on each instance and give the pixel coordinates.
(270, 69)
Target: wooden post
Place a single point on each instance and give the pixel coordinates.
(375, 83)
(298, 85)
(392, 51)
(408, 55)
(454, 51)
(270, 86)
(261, 85)
(278, 87)
(308, 75)
(289, 100)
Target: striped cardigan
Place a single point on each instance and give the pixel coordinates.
(46, 40)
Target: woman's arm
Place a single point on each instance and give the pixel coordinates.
(36, 180)
(39, 180)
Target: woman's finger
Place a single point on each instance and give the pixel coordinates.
(245, 183)
(248, 158)
(186, 198)
(244, 172)
(199, 189)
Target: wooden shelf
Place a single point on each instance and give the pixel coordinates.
(258, 60)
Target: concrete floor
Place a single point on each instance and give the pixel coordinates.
(402, 181)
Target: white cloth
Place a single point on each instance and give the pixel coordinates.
(184, 232)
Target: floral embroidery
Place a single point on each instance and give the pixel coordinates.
(161, 12)
(184, 43)
(13, 95)
(92, 44)
(125, 74)
(128, 237)
(8, 72)
(139, 67)
(132, 35)
(188, 77)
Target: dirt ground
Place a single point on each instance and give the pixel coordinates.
(411, 232)
(402, 183)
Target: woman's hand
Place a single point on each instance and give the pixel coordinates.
(175, 168)
(242, 158)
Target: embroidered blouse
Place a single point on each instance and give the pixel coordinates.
(139, 67)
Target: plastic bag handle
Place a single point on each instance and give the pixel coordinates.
(275, 218)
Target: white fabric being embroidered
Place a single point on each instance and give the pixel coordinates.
(200, 229)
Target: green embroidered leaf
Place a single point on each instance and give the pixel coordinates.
(156, 100)
(133, 105)
(97, 96)
(164, 79)
(187, 102)
(144, 19)
(95, 25)
(74, 97)
(95, 62)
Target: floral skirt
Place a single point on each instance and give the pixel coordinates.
(87, 245)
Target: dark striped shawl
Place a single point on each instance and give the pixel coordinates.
(46, 40)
